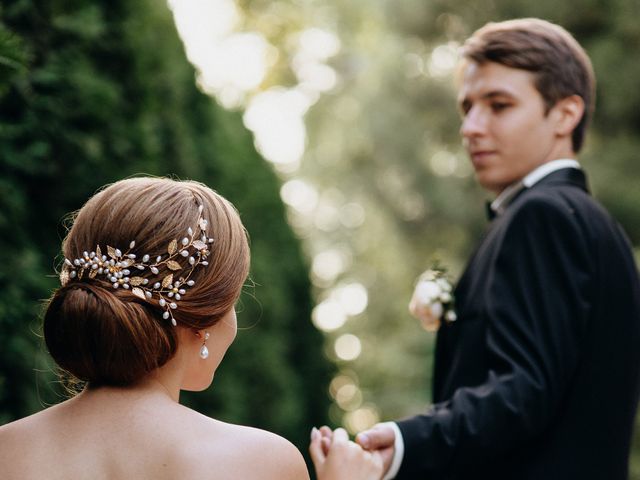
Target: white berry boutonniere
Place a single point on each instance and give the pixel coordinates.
(432, 300)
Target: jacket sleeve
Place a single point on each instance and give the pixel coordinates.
(537, 308)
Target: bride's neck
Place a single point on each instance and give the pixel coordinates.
(162, 382)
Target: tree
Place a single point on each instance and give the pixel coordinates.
(91, 92)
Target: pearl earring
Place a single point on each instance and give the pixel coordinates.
(204, 351)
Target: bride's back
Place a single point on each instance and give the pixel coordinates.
(130, 434)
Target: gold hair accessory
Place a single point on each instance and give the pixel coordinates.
(171, 277)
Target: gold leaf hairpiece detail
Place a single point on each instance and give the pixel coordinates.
(173, 246)
(138, 292)
(155, 277)
(173, 265)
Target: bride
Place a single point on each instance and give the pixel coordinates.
(152, 270)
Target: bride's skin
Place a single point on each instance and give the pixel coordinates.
(142, 432)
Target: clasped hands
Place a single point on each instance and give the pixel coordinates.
(335, 457)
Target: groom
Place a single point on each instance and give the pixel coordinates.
(539, 376)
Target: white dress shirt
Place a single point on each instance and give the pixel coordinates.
(533, 177)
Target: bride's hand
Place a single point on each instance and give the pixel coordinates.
(336, 458)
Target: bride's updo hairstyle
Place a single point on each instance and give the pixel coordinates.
(110, 336)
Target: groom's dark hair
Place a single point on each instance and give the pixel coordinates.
(560, 65)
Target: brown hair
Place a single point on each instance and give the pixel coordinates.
(560, 65)
(107, 336)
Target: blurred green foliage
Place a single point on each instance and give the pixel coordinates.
(92, 92)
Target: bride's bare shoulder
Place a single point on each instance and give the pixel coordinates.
(20, 430)
(11, 433)
(186, 444)
(254, 453)
(19, 437)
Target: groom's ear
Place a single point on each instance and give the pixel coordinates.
(567, 114)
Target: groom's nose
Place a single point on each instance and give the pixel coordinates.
(474, 123)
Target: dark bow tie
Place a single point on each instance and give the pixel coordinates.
(490, 212)
(503, 201)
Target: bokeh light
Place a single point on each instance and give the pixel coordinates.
(328, 265)
(328, 316)
(361, 419)
(347, 347)
(352, 297)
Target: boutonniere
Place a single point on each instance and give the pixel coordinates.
(432, 301)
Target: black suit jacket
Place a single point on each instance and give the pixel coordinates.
(539, 376)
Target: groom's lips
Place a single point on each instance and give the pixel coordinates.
(479, 158)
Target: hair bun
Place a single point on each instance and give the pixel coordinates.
(103, 339)
(108, 335)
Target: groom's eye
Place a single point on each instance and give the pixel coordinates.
(464, 107)
(499, 106)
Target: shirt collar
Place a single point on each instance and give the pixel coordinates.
(501, 202)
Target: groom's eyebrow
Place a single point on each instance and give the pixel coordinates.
(497, 93)
(465, 103)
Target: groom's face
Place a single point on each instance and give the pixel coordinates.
(505, 128)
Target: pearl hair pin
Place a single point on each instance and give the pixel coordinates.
(164, 276)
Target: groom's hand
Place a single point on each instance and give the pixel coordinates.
(381, 438)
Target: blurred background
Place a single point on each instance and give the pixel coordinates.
(332, 127)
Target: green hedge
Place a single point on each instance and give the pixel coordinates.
(94, 91)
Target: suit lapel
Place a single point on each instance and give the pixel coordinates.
(565, 176)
